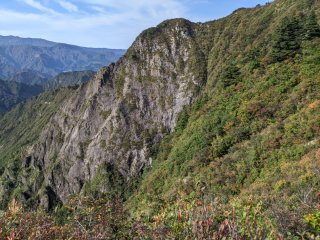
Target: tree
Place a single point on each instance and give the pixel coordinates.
(311, 28)
(286, 40)
(231, 75)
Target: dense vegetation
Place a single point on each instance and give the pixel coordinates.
(251, 139)
(244, 160)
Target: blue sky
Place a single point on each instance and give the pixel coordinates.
(104, 23)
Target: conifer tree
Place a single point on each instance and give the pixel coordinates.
(286, 39)
(312, 28)
(231, 75)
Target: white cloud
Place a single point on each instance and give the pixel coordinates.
(39, 6)
(155, 8)
(68, 6)
(97, 23)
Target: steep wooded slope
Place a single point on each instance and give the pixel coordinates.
(12, 93)
(67, 79)
(249, 145)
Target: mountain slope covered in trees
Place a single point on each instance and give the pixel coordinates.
(12, 93)
(201, 131)
(68, 79)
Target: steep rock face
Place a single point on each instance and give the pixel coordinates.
(116, 118)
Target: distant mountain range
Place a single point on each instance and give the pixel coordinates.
(33, 60)
(36, 42)
(29, 66)
(29, 78)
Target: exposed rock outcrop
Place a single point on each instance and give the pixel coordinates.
(118, 116)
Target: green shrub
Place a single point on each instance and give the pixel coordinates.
(314, 221)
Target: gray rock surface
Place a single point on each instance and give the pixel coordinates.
(118, 116)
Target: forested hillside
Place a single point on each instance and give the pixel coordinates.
(67, 79)
(12, 93)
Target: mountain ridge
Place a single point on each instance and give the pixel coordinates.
(40, 42)
(16, 40)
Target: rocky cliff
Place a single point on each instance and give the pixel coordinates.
(113, 121)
